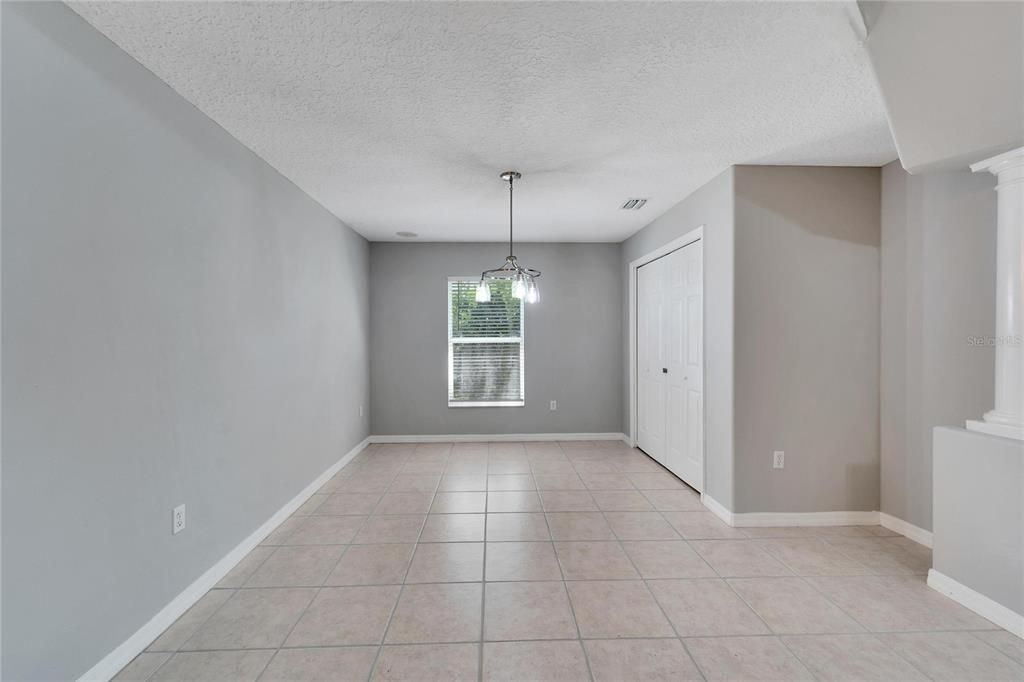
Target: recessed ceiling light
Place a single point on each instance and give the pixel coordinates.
(406, 235)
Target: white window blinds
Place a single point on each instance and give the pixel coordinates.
(485, 346)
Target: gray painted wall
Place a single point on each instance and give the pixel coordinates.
(573, 339)
(938, 291)
(712, 207)
(180, 325)
(979, 527)
(791, 284)
(806, 355)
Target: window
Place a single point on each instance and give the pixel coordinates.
(485, 346)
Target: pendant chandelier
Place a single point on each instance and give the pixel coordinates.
(524, 284)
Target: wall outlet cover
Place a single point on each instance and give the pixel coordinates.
(178, 519)
(778, 459)
(554, 405)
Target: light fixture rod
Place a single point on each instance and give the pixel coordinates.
(510, 180)
(511, 176)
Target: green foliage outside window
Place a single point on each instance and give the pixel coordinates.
(499, 317)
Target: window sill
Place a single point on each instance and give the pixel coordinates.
(509, 403)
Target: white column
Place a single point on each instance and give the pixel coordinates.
(1007, 418)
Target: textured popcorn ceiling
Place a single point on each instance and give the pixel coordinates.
(400, 116)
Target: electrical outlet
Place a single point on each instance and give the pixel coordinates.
(360, 410)
(554, 405)
(778, 459)
(178, 519)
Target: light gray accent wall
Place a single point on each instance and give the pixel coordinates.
(938, 291)
(573, 339)
(181, 324)
(712, 207)
(807, 318)
(979, 524)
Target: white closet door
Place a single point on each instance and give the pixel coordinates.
(684, 348)
(670, 381)
(651, 380)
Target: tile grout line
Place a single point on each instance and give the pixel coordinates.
(483, 585)
(898, 654)
(178, 649)
(401, 589)
(316, 594)
(266, 665)
(686, 648)
(304, 610)
(876, 634)
(867, 630)
(275, 550)
(774, 634)
(568, 580)
(974, 634)
(647, 587)
(483, 579)
(764, 635)
(326, 578)
(565, 588)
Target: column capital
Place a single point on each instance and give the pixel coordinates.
(1001, 162)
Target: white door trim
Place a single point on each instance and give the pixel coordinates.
(674, 245)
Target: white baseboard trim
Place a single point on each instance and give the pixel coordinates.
(762, 519)
(495, 437)
(833, 518)
(977, 602)
(717, 508)
(897, 525)
(113, 662)
(829, 518)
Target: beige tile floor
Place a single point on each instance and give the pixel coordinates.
(565, 561)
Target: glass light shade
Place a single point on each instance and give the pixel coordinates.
(532, 293)
(518, 287)
(483, 292)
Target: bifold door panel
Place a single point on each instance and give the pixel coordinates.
(670, 377)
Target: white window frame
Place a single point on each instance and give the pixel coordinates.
(461, 339)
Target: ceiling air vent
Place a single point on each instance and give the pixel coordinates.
(633, 204)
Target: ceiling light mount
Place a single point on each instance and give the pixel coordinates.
(523, 279)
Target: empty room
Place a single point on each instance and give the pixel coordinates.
(507, 340)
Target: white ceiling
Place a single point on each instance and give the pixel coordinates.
(400, 116)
